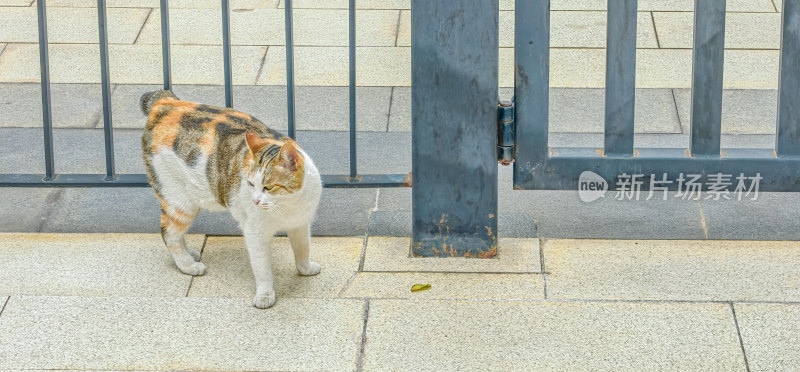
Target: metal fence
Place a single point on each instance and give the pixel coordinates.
(457, 123)
(111, 179)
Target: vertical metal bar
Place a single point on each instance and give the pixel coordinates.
(352, 84)
(707, 64)
(620, 77)
(226, 52)
(454, 66)
(788, 139)
(47, 114)
(289, 67)
(531, 86)
(165, 53)
(106, 87)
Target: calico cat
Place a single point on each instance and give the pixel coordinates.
(199, 156)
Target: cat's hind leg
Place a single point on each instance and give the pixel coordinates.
(175, 221)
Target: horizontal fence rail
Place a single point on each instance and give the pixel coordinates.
(539, 166)
(110, 179)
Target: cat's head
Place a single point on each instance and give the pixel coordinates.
(276, 171)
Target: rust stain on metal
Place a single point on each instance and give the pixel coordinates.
(723, 154)
(491, 253)
(635, 153)
(600, 152)
(687, 153)
(774, 153)
(491, 215)
(408, 180)
(488, 230)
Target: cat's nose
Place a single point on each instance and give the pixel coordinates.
(255, 201)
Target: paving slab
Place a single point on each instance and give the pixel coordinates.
(569, 29)
(742, 30)
(446, 286)
(343, 212)
(130, 64)
(229, 273)
(173, 4)
(105, 210)
(15, 2)
(115, 265)
(561, 214)
(555, 336)
(771, 335)
(82, 151)
(399, 223)
(25, 209)
(644, 5)
(378, 152)
(672, 270)
(343, 4)
(266, 27)
(582, 111)
(773, 216)
(328, 66)
(72, 105)
(393, 254)
(316, 108)
(75, 151)
(575, 110)
(179, 333)
(71, 25)
(579, 29)
(665, 5)
(377, 66)
(101, 210)
(744, 111)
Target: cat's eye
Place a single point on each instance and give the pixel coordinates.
(250, 183)
(268, 187)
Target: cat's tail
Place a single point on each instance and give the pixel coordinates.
(148, 99)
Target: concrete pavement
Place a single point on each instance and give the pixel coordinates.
(116, 301)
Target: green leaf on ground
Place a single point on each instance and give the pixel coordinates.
(420, 287)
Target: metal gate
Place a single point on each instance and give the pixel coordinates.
(541, 167)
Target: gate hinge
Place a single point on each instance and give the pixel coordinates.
(505, 132)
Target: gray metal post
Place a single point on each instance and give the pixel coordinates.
(165, 53)
(788, 139)
(226, 52)
(47, 113)
(620, 77)
(707, 62)
(108, 131)
(454, 58)
(531, 86)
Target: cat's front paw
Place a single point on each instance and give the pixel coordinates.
(265, 300)
(197, 268)
(312, 268)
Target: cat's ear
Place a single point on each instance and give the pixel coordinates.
(290, 158)
(254, 142)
